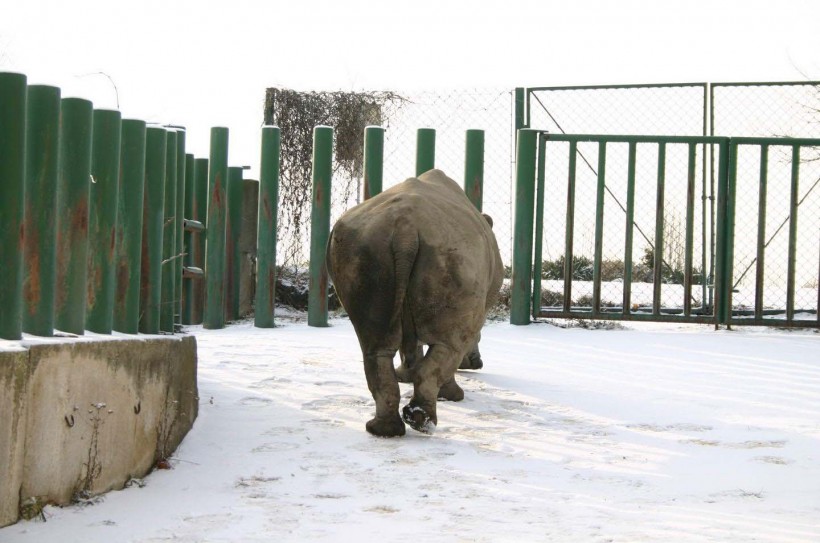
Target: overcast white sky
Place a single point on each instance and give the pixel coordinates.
(203, 63)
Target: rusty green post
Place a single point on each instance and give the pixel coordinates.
(474, 167)
(102, 220)
(12, 188)
(129, 227)
(200, 214)
(425, 150)
(265, 298)
(320, 224)
(178, 225)
(153, 218)
(42, 132)
(169, 238)
(188, 243)
(215, 230)
(522, 245)
(373, 160)
(72, 214)
(233, 226)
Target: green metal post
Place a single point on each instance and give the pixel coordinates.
(522, 246)
(761, 231)
(102, 225)
(42, 148)
(690, 234)
(320, 224)
(266, 227)
(72, 214)
(169, 238)
(657, 272)
(200, 214)
(373, 160)
(215, 230)
(474, 167)
(129, 227)
(521, 120)
(539, 225)
(188, 243)
(153, 219)
(599, 229)
(630, 228)
(793, 206)
(722, 282)
(233, 226)
(425, 150)
(12, 187)
(570, 226)
(178, 224)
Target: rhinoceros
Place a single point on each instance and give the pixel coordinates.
(415, 265)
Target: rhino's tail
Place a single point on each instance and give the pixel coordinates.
(405, 246)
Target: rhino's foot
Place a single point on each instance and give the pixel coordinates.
(403, 374)
(471, 361)
(451, 391)
(386, 427)
(418, 419)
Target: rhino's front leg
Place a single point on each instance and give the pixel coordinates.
(411, 354)
(381, 380)
(435, 369)
(472, 360)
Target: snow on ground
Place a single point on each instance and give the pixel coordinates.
(650, 433)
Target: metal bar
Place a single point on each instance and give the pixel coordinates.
(599, 229)
(722, 282)
(179, 215)
(761, 230)
(766, 84)
(198, 249)
(102, 220)
(630, 218)
(474, 167)
(521, 112)
(169, 238)
(617, 87)
(265, 301)
(539, 225)
(620, 138)
(657, 271)
(638, 317)
(790, 279)
(373, 160)
(72, 226)
(12, 188)
(570, 226)
(523, 230)
(40, 253)
(320, 221)
(153, 219)
(129, 227)
(690, 233)
(790, 142)
(214, 316)
(191, 228)
(233, 227)
(425, 150)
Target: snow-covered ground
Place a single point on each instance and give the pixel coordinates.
(648, 433)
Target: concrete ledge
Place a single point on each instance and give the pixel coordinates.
(84, 417)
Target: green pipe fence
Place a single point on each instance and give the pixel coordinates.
(12, 189)
(320, 224)
(233, 227)
(129, 230)
(179, 215)
(215, 230)
(169, 236)
(42, 132)
(188, 249)
(72, 214)
(474, 167)
(373, 160)
(153, 219)
(265, 296)
(102, 225)
(425, 150)
(525, 156)
(200, 214)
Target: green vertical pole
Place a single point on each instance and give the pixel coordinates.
(153, 218)
(178, 225)
(721, 283)
(630, 228)
(200, 214)
(474, 167)
(793, 207)
(266, 227)
(12, 188)
(599, 229)
(320, 224)
(657, 272)
(690, 233)
(539, 225)
(72, 214)
(215, 248)
(521, 120)
(760, 272)
(42, 148)
(233, 226)
(522, 245)
(102, 224)
(570, 227)
(373, 160)
(169, 240)
(188, 243)
(129, 227)
(425, 150)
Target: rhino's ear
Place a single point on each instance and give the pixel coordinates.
(488, 219)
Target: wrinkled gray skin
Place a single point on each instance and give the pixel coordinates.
(415, 265)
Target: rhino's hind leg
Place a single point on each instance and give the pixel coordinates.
(472, 360)
(451, 391)
(435, 369)
(381, 380)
